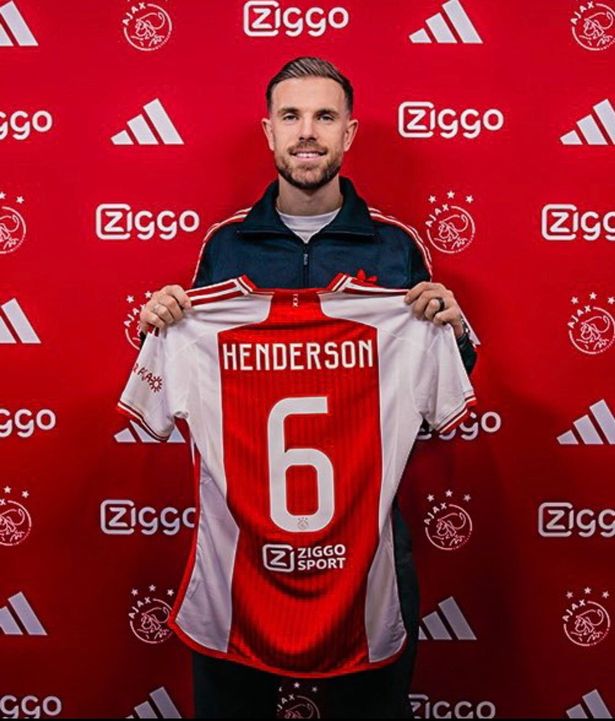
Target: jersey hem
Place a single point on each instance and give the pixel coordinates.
(236, 658)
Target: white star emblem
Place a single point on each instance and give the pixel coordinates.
(450, 194)
(432, 198)
(448, 494)
(574, 300)
(569, 594)
(152, 587)
(24, 494)
(605, 594)
(611, 300)
(314, 689)
(469, 198)
(148, 294)
(587, 590)
(467, 497)
(430, 498)
(7, 489)
(134, 592)
(20, 199)
(296, 684)
(592, 296)
(170, 592)
(130, 298)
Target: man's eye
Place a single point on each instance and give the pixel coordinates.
(288, 116)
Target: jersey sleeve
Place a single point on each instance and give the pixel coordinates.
(443, 391)
(156, 391)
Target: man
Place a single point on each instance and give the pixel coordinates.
(309, 226)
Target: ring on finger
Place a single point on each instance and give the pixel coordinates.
(442, 305)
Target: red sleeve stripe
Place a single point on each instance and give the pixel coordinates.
(235, 218)
(376, 215)
(127, 410)
(457, 417)
(213, 289)
(358, 287)
(339, 282)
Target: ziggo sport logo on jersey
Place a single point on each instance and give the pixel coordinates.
(420, 119)
(266, 19)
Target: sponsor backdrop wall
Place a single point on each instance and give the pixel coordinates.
(126, 130)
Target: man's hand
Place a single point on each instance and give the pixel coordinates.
(426, 298)
(164, 307)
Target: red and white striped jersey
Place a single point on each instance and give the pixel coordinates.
(303, 406)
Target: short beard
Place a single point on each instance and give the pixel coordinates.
(329, 172)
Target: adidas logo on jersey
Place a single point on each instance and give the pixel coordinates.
(447, 624)
(593, 704)
(589, 430)
(153, 127)
(14, 325)
(443, 31)
(162, 704)
(13, 28)
(591, 131)
(139, 435)
(18, 611)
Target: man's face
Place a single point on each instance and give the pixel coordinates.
(309, 129)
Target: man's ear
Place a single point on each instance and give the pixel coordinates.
(350, 133)
(266, 125)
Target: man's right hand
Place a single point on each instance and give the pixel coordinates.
(164, 307)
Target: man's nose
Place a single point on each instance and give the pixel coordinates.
(307, 129)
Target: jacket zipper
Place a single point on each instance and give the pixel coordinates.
(306, 267)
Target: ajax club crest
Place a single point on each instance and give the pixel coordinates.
(448, 526)
(450, 227)
(15, 521)
(131, 322)
(12, 227)
(147, 26)
(591, 328)
(296, 702)
(149, 615)
(593, 25)
(586, 622)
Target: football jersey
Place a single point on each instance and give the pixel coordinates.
(303, 406)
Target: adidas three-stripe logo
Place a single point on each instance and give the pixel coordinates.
(162, 704)
(443, 31)
(594, 704)
(140, 435)
(588, 430)
(19, 611)
(433, 625)
(13, 28)
(153, 127)
(15, 320)
(590, 131)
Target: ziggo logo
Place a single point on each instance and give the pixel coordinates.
(489, 422)
(264, 18)
(20, 125)
(420, 119)
(24, 422)
(29, 706)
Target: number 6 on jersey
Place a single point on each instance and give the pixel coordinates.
(280, 460)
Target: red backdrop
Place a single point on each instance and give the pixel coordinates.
(499, 148)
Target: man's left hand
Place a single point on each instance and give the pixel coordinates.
(427, 305)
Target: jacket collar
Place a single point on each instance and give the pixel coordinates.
(353, 218)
